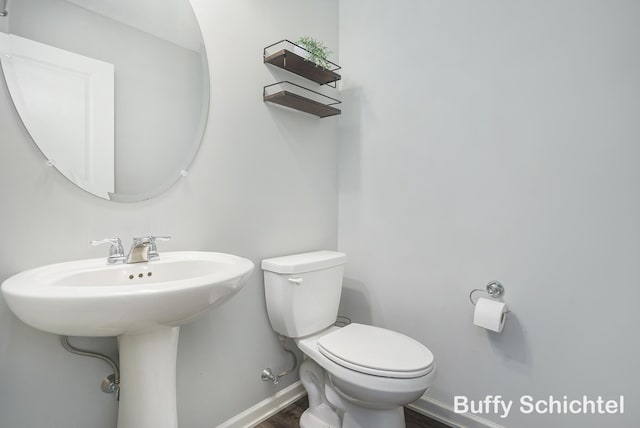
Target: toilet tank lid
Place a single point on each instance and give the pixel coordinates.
(306, 262)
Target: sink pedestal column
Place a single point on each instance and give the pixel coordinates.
(148, 379)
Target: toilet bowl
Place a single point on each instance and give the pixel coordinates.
(371, 400)
(357, 376)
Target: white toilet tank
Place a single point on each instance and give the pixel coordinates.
(303, 291)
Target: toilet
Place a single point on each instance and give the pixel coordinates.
(357, 376)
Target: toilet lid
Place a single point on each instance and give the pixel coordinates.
(376, 351)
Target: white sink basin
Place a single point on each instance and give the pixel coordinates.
(90, 298)
(143, 304)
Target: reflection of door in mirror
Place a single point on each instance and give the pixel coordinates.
(161, 95)
(66, 102)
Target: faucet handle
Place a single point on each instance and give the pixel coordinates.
(116, 250)
(151, 240)
(153, 251)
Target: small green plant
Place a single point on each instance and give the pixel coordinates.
(319, 53)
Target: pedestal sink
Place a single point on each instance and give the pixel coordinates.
(143, 304)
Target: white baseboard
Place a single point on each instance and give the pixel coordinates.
(266, 408)
(442, 412)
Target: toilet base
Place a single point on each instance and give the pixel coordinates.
(329, 408)
(356, 414)
(362, 417)
(372, 419)
(320, 413)
(320, 417)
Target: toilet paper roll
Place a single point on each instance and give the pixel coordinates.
(490, 314)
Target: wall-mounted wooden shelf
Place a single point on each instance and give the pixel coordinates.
(291, 57)
(290, 95)
(284, 57)
(289, 61)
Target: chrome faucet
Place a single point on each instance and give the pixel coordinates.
(144, 249)
(116, 250)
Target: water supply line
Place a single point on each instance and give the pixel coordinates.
(267, 374)
(111, 383)
(3, 8)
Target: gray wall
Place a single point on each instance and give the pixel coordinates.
(264, 184)
(497, 140)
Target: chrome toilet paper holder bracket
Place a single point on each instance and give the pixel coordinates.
(494, 289)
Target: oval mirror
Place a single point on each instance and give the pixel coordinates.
(114, 93)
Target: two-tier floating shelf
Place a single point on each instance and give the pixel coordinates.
(291, 57)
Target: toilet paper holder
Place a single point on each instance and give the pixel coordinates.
(494, 289)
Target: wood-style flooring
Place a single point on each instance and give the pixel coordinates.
(290, 417)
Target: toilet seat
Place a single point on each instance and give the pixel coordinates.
(376, 351)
